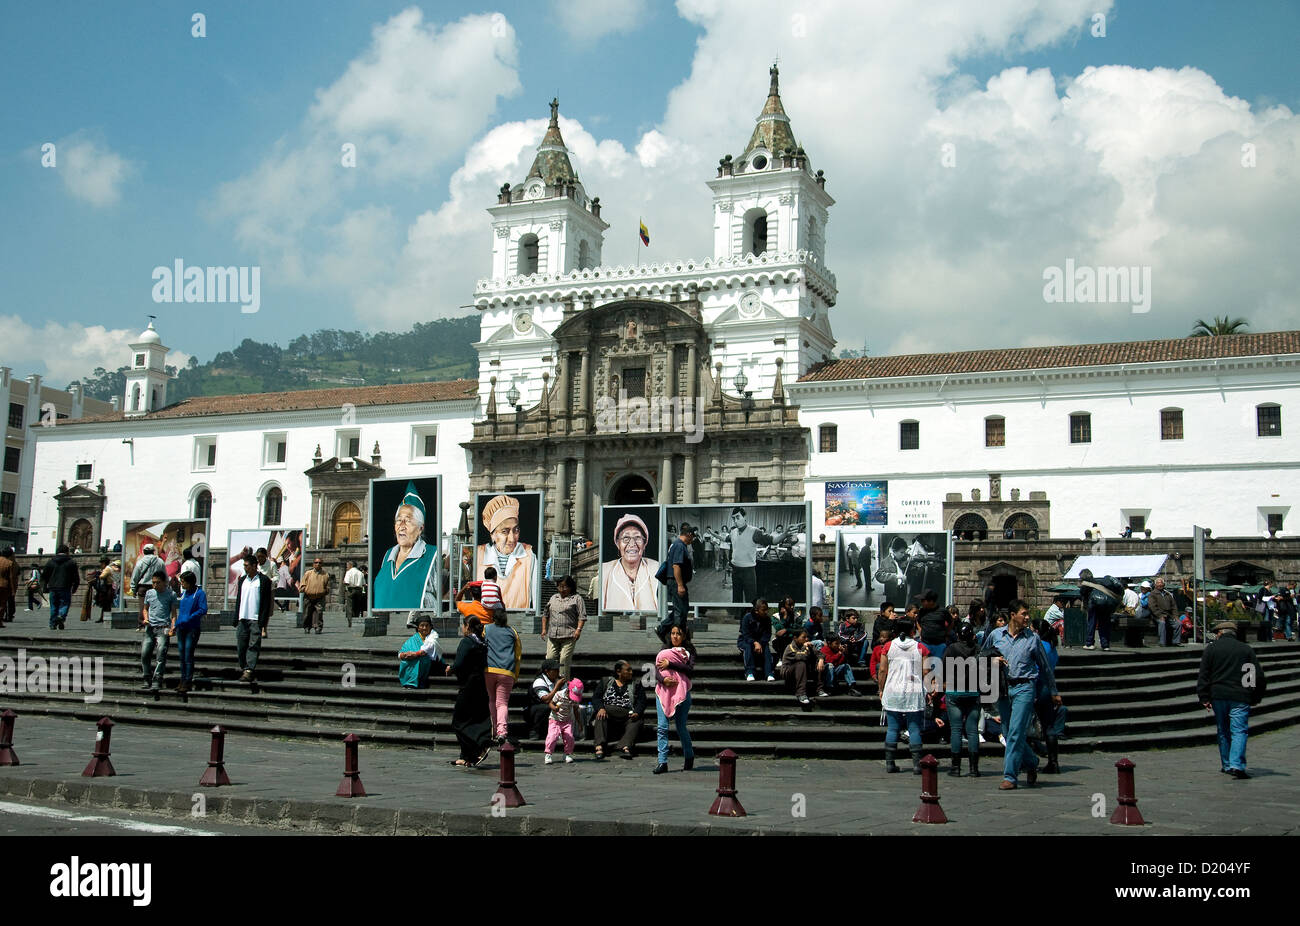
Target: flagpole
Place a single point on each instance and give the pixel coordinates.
(639, 220)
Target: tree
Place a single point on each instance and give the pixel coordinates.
(1220, 325)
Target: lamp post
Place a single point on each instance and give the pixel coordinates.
(747, 402)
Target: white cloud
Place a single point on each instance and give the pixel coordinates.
(62, 352)
(90, 171)
(1113, 166)
(589, 20)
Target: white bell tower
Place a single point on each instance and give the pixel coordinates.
(146, 380)
(769, 201)
(546, 224)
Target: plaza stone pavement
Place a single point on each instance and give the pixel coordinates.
(289, 787)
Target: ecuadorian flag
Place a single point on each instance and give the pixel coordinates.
(645, 235)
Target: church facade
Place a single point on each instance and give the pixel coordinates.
(704, 380)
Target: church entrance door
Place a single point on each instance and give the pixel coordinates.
(632, 490)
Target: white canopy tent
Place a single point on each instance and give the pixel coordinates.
(1121, 567)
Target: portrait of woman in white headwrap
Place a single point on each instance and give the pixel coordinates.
(514, 560)
(628, 583)
(408, 576)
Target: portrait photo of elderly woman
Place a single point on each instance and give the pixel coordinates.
(627, 575)
(508, 537)
(407, 576)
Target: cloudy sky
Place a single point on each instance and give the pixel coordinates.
(969, 147)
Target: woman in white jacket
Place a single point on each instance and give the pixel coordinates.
(902, 685)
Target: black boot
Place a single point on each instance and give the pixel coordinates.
(890, 752)
(916, 759)
(955, 771)
(1053, 767)
(975, 765)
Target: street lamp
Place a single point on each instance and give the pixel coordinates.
(746, 403)
(741, 382)
(512, 396)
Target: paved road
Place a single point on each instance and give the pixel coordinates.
(289, 786)
(25, 818)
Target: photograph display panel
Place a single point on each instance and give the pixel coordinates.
(173, 541)
(283, 550)
(508, 536)
(876, 566)
(864, 504)
(743, 552)
(405, 561)
(629, 535)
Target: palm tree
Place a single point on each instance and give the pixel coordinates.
(1224, 325)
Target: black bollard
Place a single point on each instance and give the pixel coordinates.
(506, 786)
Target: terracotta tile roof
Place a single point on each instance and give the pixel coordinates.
(1068, 355)
(301, 400)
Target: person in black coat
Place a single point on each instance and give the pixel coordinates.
(755, 634)
(471, 720)
(618, 703)
(1230, 682)
(60, 580)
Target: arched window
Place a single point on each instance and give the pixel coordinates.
(1020, 527)
(584, 255)
(135, 397)
(527, 255)
(203, 505)
(272, 505)
(755, 241)
(971, 526)
(153, 400)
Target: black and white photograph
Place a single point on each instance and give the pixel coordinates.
(743, 552)
(872, 567)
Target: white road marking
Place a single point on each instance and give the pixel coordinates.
(51, 813)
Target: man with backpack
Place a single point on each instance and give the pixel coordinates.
(60, 578)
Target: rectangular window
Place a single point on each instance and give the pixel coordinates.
(995, 432)
(828, 436)
(909, 435)
(280, 448)
(634, 382)
(13, 459)
(83, 472)
(1081, 429)
(424, 443)
(1137, 523)
(16, 415)
(139, 360)
(1274, 522)
(347, 444)
(1171, 424)
(275, 448)
(205, 453)
(1269, 420)
(7, 504)
(746, 490)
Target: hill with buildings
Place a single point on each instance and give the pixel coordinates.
(436, 350)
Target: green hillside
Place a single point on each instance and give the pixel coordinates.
(434, 350)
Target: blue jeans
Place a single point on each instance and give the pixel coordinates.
(186, 639)
(153, 653)
(895, 721)
(1233, 720)
(748, 650)
(683, 734)
(964, 720)
(835, 673)
(936, 649)
(1017, 710)
(60, 599)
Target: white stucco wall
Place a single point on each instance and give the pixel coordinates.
(155, 476)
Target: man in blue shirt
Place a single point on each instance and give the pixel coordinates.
(160, 604)
(679, 567)
(1018, 648)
